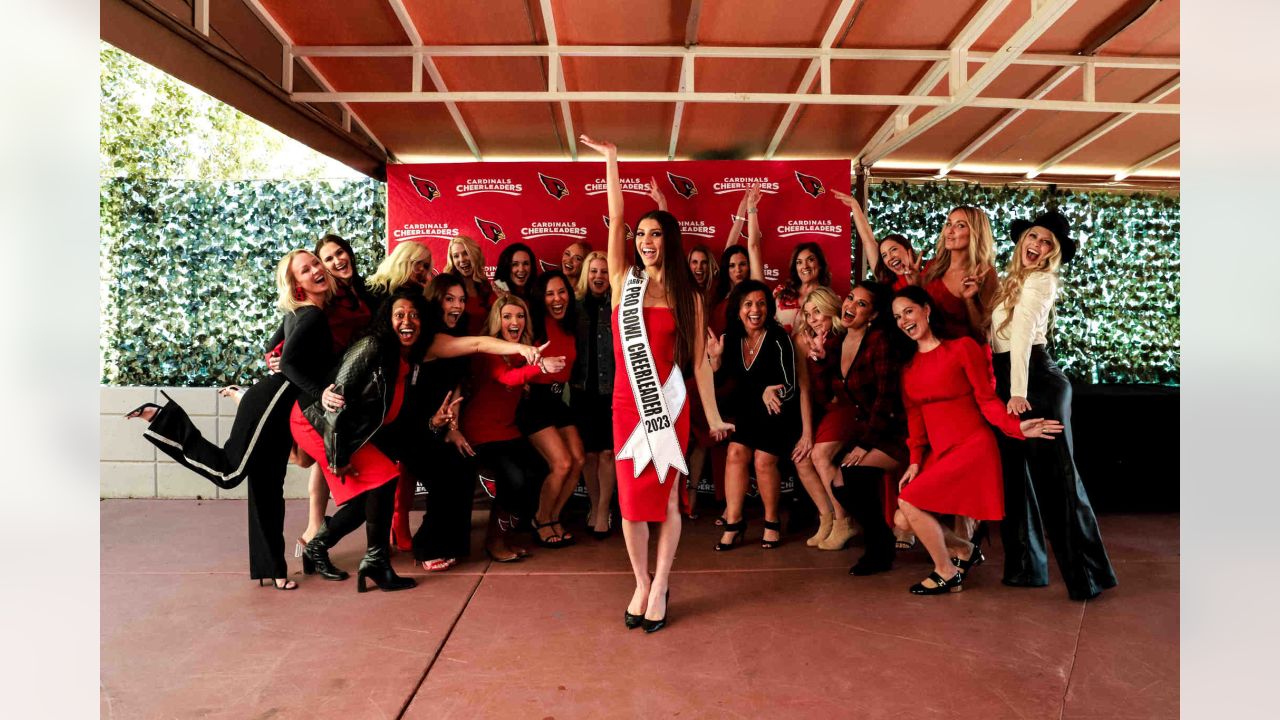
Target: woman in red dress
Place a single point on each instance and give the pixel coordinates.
(659, 321)
(960, 277)
(948, 390)
(892, 260)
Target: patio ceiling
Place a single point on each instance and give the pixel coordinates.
(1069, 91)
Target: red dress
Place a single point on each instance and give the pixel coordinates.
(947, 393)
(644, 498)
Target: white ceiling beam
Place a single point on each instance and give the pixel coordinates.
(287, 42)
(819, 64)
(1042, 18)
(1115, 122)
(713, 51)
(1004, 122)
(972, 30)
(424, 61)
(521, 96)
(200, 16)
(555, 76)
(686, 86)
(1148, 161)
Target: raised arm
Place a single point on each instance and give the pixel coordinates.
(870, 248)
(739, 217)
(655, 192)
(617, 248)
(754, 254)
(704, 377)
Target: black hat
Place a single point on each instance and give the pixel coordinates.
(1053, 221)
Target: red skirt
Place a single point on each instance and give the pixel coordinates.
(371, 468)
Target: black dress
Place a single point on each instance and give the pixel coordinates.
(742, 389)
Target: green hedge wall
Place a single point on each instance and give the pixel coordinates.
(188, 269)
(1118, 312)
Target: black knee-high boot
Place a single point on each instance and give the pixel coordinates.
(860, 497)
(376, 565)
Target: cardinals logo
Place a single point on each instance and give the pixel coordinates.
(491, 230)
(682, 185)
(810, 184)
(631, 234)
(555, 187)
(425, 188)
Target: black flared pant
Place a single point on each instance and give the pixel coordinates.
(518, 472)
(1043, 494)
(450, 480)
(257, 449)
(862, 497)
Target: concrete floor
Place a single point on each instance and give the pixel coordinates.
(753, 632)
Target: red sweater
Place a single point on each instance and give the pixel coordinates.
(496, 390)
(561, 343)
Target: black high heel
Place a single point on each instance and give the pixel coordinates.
(553, 541)
(653, 626)
(632, 621)
(315, 557)
(776, 527)
(137, 412)
(740, 528)
(376, 566)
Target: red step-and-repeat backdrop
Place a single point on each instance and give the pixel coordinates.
(549, 205)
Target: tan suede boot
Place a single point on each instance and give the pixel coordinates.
(839, 537)
(824, 529)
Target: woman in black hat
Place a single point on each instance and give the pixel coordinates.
(1043, 492)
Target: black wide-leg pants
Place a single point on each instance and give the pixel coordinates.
(450, 480)
(1044, 496)
(257, 449)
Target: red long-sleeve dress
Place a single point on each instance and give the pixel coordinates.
(948, 392)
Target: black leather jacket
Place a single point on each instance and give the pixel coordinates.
(366, 380)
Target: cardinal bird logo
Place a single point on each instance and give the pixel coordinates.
(810, 184)
(631, 234)
(555, 187)
(425, 188)
(491, 230)
(682, 185)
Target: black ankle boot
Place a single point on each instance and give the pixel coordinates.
(376, 566)
(860, 497)
(315, 556)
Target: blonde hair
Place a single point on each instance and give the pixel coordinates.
(824, 298)
(493, 323)
(473, 251)
(981, 245)
(582, 288)
(394, 270)
(1016, 275)
(286, 284)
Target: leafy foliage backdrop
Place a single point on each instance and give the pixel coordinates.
(188, 269)
(1117, 315)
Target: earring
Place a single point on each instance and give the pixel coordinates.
(298, 294)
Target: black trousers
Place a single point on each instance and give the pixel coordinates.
(374, 509)
(1043, 494)
(518, 472)
(862, 498)
(257, 449)
(450, 480)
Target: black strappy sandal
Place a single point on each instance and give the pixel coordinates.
(288, 584)
(554, 541)
(739, 528)
(776, 527)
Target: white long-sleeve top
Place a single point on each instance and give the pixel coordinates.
(1028, 327)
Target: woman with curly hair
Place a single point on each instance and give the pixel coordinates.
(960, 277)
(408, 265)
(808, 271)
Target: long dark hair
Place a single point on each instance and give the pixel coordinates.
(679, 281)
(733, 327)
(503, 270)
(722, 288)
(882, 272)
(904, 348)
(538, 305)
(824, 270)
(436, 289)
(358, 290)
(881, 303)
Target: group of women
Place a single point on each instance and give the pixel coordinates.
(638, 366)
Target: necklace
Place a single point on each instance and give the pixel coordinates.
(750, 352)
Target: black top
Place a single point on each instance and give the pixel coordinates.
(307, 358)
(775, 364)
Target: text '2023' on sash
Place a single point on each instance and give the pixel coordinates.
(654, 438)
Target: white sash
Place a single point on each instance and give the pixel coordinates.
(654, 437)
